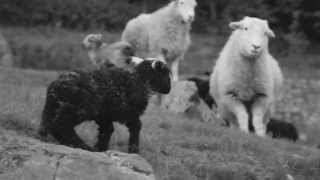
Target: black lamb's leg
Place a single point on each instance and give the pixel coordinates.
(105, 132)
(62, 127)
(134, 132)
(67, 136)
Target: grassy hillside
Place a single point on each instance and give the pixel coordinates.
(176, 147)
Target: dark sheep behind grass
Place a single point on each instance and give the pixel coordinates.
(105, 95)
(282, 129)
(203, 90)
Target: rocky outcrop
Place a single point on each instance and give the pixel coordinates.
(29, 159)
(184, 99)
(6, 58)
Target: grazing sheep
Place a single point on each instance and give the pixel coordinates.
(282, 129)
(116, 54)
(104, 95)
(164, 34)
(246, 80)
(203, 90)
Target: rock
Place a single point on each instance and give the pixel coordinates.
(5, 53)
(88, 132)
(184, 99)
(29, 159)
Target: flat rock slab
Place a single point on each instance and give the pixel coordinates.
(29, 159)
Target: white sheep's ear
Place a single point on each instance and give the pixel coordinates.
(269, 32)
(236, 25)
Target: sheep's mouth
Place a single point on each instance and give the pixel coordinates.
(254, 54)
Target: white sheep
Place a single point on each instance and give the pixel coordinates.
(164, 34)
(246, 80)
(117, 54)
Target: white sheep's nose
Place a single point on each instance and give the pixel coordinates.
(256, 47)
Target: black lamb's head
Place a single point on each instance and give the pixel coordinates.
(156, 73)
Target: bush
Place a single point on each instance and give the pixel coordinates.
(75, 14)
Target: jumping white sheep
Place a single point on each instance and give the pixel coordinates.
(102, 54)
(164, 34)
(246, 80)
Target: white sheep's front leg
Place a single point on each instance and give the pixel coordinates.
(231, 104)
(243, 118)
(259, 110)
(175, 70)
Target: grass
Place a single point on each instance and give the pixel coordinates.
(176, 147)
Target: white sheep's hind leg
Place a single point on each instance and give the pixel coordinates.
(259, 110)
(175, 70)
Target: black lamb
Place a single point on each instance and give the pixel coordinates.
(104, 95)
(282, 129)
(203, 90)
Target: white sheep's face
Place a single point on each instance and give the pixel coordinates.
(253, 36)
(186, 9)
(118, 53)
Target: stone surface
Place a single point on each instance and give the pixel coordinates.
(6, 58)
(184, 99)
(88, 132)
(29, 159)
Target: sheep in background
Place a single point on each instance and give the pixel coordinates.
(101, 97)
(116, 54)
(164, 34)
(246, 80)
(282, 129)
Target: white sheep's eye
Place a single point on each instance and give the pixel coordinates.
(246, 29)
(181, 2)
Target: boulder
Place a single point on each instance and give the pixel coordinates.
(29, 159)
(184, 99)
(5, 53)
